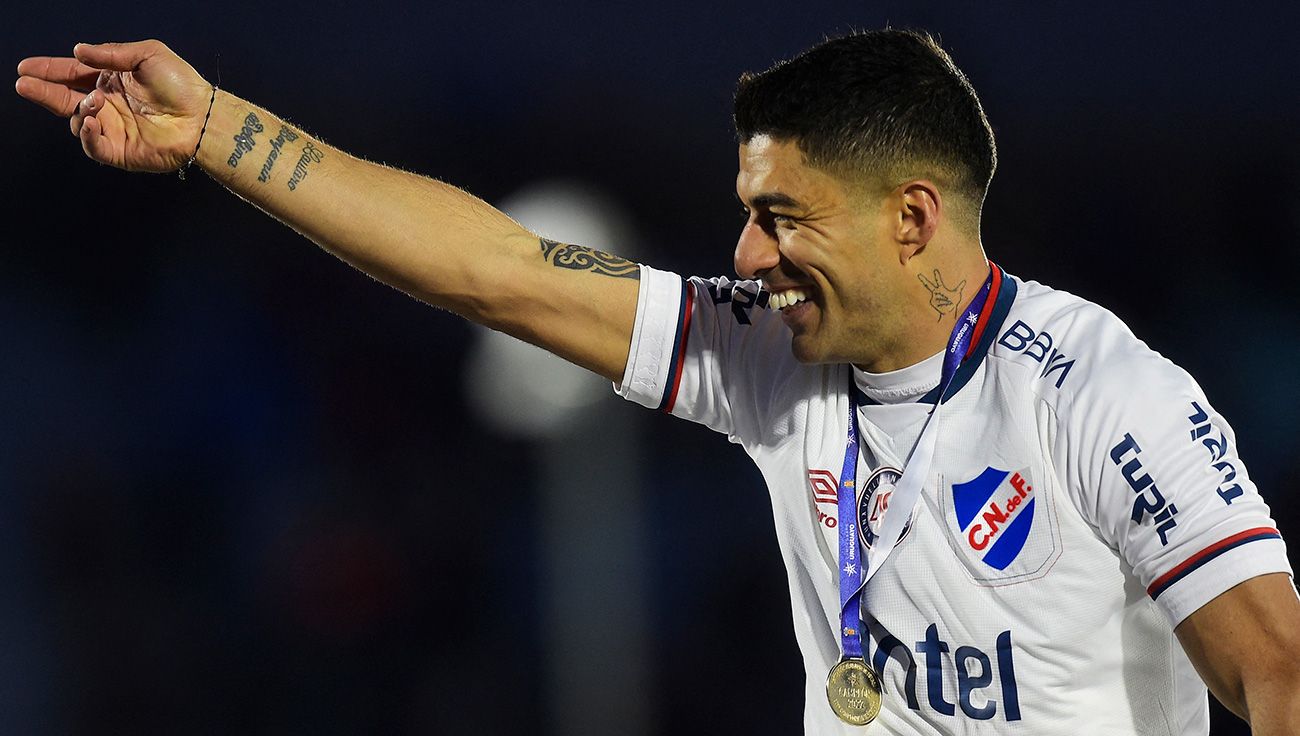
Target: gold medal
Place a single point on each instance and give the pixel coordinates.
(854, 692)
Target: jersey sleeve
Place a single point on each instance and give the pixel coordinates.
(1157, 469)
(707, 350)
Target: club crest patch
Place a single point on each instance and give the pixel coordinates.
(995, 513)
(873, 502)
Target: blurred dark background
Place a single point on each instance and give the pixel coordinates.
(244, 490)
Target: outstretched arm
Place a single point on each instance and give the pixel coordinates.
(139, 107)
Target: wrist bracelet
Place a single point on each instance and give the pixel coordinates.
(194, 156)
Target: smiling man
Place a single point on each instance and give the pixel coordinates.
(999, 510)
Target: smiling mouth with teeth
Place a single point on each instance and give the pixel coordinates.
(788, 298)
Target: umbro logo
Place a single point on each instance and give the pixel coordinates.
(823, 485)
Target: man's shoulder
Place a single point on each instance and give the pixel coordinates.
(1078, 350)
(1057, 312)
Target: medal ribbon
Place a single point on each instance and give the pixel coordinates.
(855, 571)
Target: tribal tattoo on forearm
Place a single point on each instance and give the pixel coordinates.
(582, 258)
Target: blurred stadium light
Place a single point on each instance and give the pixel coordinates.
(590, 540)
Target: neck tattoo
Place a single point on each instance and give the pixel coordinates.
(943, 299)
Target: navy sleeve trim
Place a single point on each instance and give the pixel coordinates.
(1191, 564)
(679, 347)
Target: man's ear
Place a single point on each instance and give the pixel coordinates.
(919, 210)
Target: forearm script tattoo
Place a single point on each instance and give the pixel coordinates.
(277, 143)
(310, 155)
(581, 258)
(944, 300)
(244, 139)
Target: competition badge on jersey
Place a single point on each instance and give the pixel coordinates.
(873, 502)
(995, 514)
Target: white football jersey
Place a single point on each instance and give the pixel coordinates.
(1084, 499)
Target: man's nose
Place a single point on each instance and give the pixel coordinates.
(756, 251)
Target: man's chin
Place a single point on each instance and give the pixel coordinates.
(807, 350)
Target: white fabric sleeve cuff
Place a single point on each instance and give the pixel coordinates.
(659, 308)
(1211, 572)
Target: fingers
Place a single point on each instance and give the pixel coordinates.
(61, 69)
(113, 121)
(85, 107)
(97, 146)
(120, 57)
(103, 130)
(59, 99)
(55, 83)
(89, 132)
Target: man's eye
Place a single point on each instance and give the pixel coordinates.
(782, 219)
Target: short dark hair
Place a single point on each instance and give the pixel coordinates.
(889, 104)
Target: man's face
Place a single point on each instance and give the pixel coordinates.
(820, 244)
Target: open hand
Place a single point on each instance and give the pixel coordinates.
(137, 106)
